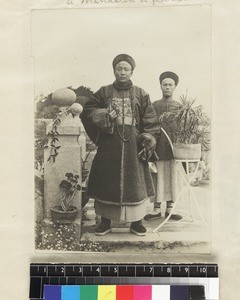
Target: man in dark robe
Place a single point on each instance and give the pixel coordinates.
(121, 121)
(166, 181)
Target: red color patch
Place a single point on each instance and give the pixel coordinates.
(125, 292)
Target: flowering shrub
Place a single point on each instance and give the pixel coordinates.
(66, 238)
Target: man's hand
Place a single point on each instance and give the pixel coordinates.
(112, 115)
(148, 144)
(147, 141)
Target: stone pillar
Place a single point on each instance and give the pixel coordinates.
(68, 160)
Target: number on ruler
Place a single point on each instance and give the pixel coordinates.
(62, 270)
(115, 270)
(168, 270)
(98, 270)
(186, 270)
(151, 269)
(203, 270)
(80, 270)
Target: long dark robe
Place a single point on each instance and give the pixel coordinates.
(118, 176)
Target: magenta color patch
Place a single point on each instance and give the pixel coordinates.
(143, 292)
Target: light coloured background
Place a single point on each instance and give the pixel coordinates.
(76, 47)
(16, 144)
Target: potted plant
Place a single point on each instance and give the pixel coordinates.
(65, 212)
(186, 125)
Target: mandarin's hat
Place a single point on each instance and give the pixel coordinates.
(124, 57)
(169, 74)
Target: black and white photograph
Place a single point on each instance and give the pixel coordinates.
(122, 113)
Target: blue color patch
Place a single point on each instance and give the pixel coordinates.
(52, 292)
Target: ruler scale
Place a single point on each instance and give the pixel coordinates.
(114, 274)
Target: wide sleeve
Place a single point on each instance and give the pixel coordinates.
(95, 117)
(149, 120)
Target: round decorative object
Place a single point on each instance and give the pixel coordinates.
(60, 216)
(186, 151)
(76, 109)
(63, 97)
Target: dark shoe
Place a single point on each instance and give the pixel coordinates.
(104, 227)
(174, 217)
(151, 217)
(137, 228)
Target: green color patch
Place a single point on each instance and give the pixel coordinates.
(88, 292)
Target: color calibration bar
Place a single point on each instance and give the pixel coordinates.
(129, 292)
(65, 275)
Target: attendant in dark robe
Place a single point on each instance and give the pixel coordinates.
(122, 122)
(166, 182)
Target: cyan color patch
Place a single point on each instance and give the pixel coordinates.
(70, 292)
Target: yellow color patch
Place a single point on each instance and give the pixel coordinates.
(106, 292)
